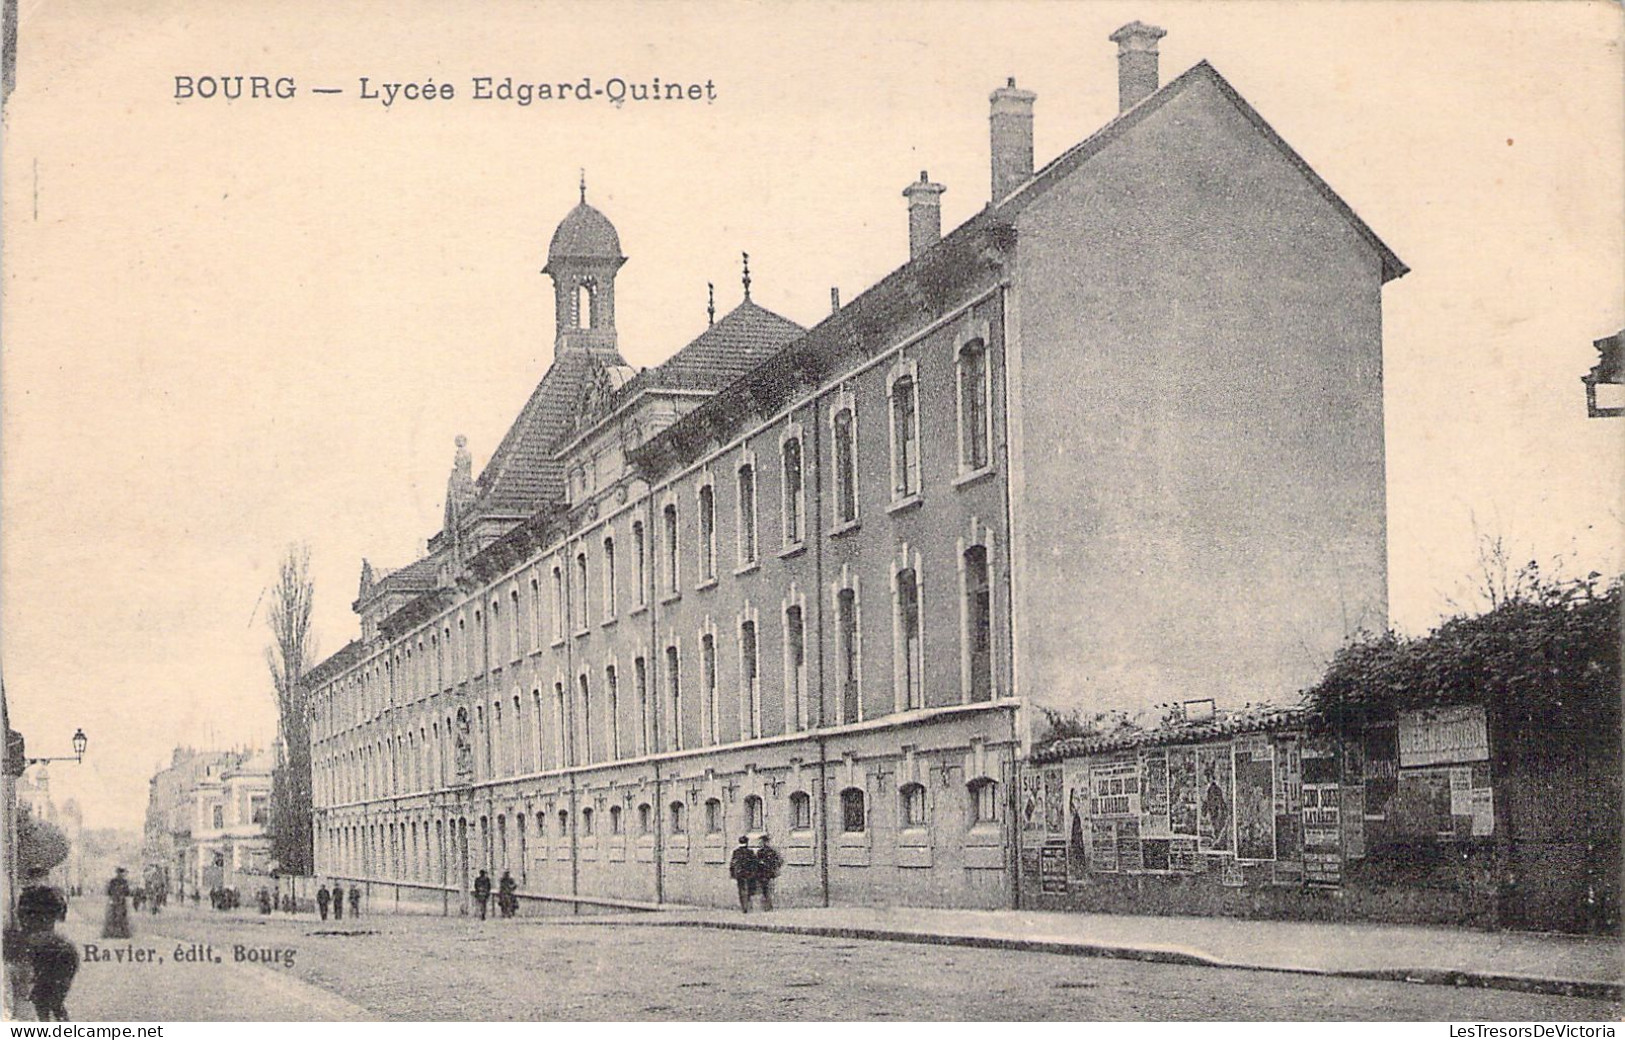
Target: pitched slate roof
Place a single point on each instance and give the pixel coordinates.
(522, 474)
(744, 338)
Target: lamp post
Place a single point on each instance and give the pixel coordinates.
(79, 742)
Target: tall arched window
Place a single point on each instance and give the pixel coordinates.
(708, 676)
(639, 551)
(750, 706)
(911, 656)
(674, 696)
(846, 630)
(755, 815)
(612, 693)
(668, 517)
(583, 722)
(747, 514)
(795, 668)
(558, 604)
(646, 719)
(973, 407)
(794, 492)
(580, 592)
(978, 622)
(609, 577)
(846, 472)
(708, 533)
(905, 438)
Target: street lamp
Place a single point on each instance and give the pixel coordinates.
(79, 742)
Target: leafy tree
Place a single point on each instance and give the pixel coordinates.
(288, 658)
(1544, 661)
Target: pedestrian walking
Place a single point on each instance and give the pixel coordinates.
(116, 924)
(742, 868)
(265, 901)
(768, 862)
(507, 894)
(52, 961)
(322, 899)
(482, 891)
(355, 901)
(338, 902)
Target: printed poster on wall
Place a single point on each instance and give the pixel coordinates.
(1443, 735)
(1217, 820)
(1032, 803)
(1129, 856)
(1076, 776)
(1321, 812)
(1154, 853)
(1154, 795)
(1103, 846)
(1288, 775)
(1353, 819)
(1182, 856)
(1054, 803)
(1381, 770)
(1115, 790)
(1421, 805)
(1184, 798)
(1255, 798)
(1052, 870)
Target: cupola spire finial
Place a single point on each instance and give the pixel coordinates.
(583, 185)
(746, 277)
(710, 303)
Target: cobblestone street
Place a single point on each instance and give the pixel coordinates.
(433, 968)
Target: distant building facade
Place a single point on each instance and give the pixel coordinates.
(1116, 439)
(207, 819)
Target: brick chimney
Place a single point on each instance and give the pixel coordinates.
(924, 214)
(1136, 63)
(1011, 122)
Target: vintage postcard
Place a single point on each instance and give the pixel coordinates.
(812, 511)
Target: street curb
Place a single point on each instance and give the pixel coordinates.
(1589, 989)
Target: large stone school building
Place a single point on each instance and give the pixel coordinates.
(1115, 440)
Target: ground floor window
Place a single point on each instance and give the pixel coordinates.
(853, 820)
(800, 811)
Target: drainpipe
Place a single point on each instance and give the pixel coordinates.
(816, 531)
(660, 838)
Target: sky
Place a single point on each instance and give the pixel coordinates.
(232, 326)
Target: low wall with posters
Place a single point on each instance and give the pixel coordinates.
(1256, 815)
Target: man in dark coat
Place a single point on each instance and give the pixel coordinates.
(322, 899)
(507, 898)
(355, 901)
(338, 902)
(51, 959)
(742, 868)
(482, 892)
(768, 862)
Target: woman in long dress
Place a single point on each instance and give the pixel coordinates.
(117, 923)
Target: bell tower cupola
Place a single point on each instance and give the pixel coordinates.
(582, 260)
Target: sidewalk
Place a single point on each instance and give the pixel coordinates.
(1566, 965)
(162, 991)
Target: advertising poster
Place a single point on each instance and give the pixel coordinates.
(1052, 870)
(1353, 819)
(1183, 796)
(1129, 856)
(1115, 789)
(1103, 846)
(1289, 836)
(1255, 799)
(1321, 810)
(1054, 803)
(1032, 802)
(1217, 820)
(1323, 868)
(1443, 735)
(1483, 812)
(1076, 776)
(1288, 775)
(1154, 794)
(1182, 857)
(1381, 771)
(1154, 853)
(1421, 805)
